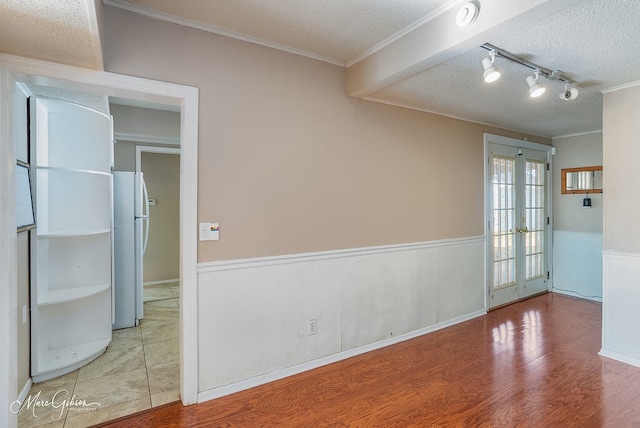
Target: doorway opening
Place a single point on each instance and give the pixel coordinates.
(185, 99)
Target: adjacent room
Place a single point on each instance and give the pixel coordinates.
(353, 212)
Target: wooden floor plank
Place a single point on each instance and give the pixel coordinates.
(533, 363)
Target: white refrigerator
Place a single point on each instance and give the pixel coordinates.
(131, 234)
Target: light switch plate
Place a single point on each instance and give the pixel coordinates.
(209, 231)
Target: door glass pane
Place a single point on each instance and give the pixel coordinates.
(535, 220)
(503, 185)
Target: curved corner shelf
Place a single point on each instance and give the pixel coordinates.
(60, 361)
(64, 169)
(69, 294)
(70, 234)
(71, 153)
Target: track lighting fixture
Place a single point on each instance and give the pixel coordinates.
(490, 72)
(535, 88)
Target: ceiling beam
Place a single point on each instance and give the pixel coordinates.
(440, 39)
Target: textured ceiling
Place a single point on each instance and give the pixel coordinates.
(336, 29)
(593, 42)
(62, 31)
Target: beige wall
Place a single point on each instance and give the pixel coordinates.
(162, 175)
(288, 163)
(621, 172)
(124, 156)
(144, 121)
(569, 215)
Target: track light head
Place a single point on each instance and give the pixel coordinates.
(569, 94)
(490, 72)
(535, 88)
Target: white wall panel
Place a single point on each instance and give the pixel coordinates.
(577, 264)
(458, 287)
(254, 321)
(253, 314)
(620, 314)
(387, 294)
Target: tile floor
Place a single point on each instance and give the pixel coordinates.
(139, 370)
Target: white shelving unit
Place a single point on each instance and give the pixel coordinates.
(71, 253)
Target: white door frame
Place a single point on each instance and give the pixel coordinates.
(525, 144)
(14, 69)
(152, 149)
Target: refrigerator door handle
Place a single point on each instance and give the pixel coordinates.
(145, 216)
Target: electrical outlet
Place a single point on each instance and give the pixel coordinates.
(313, 327)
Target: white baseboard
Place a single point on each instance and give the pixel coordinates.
(310, 365)
(164, 281)
(620, 357)
(576, 294)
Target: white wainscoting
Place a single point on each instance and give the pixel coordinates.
(253, 314)
(620, 308)
(577, 264)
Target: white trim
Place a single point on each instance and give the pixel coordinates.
(577, 134)
(164, 281)
(576, 294)
(310, 365)
(223, 265)
(8, 257)
(623, 254)
(452, 116)
(143, 138)
(189, 376)
(221, 31)
(514, 142)
(619, 357)
(110, 84)
(408, 29)
(151, 149)
(620, 87)
(24, 89)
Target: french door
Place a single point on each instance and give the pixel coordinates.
(517, 216)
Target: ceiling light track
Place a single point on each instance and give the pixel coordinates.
(542, 71)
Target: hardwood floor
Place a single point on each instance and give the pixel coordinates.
(532, 364)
